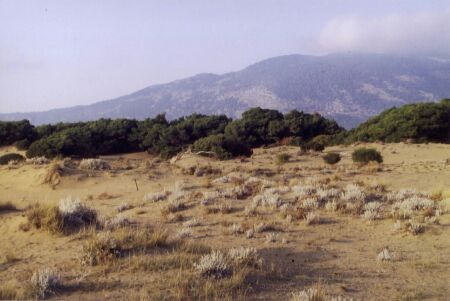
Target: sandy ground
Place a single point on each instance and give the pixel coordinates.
(340, 253)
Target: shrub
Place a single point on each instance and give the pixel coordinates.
(332, 158)
(69, 216)
(5, 159)
(245, 257)
(213, 265)
(282, 158)
(94, 164)
(100, 249)
(45, 282)
(365, 155)
(312, 145)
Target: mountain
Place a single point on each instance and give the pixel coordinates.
(348, 87)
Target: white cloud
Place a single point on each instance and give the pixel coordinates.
(424, 34)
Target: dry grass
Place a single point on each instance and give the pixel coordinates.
(69, 216)
(53, 174)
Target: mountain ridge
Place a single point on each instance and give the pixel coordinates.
(348, 87)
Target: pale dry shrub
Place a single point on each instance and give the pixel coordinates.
(154, 197)
(304, 191)
(372, 211)
(263, 227)
(226, 208)
(415, 228)
(184, 233)
(38, 160)
(432, 220)
(245, 257)
(236, 229)
(175, 205)
(124, 207)
(242, 191)
(99, 249)
(324, 195)
(384, 255)
(116, 222)
(310, 294)
(312, 218)
(251, 210)
(222, 180)
(332, 206)
(76, 214)
(94, 164)
(354, 193)
(410, 205)
(45, 282)
(271, 237)
(250, 233)
(213, 265)
(192, 223)
(310, 204)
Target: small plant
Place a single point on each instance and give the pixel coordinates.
(312, 218)
(99, 249)
(282, 158)
(332, 158)
(192, 223)
(247, 257)
(38, 161)
(365, 155)
(5, 159)
(271, 237)
(384, 255)
(154, 197)
(45, 282)
(213, 265)
(310, 294)
(184, 233)
(94, 164)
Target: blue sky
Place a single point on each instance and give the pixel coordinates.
(63, 53)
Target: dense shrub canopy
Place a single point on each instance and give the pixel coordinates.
(157, 135)
(423, 122)
(332, 158)
(366, 155)
(5, 159)
(14, 131)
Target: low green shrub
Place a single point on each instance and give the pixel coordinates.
(332, 158)
(5, 159)
(365, 155)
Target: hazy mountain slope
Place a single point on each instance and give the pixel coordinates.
(347, 87)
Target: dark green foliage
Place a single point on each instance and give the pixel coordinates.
(422, 122)
(159, 136)
(312, 145)
(5, 159)
(253, 127)
(13, 131)
(224, 148)
(365, 155)
(88, 139)
(308, 126)
(332, 158)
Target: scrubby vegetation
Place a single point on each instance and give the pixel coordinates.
(332, 158)
(365, 155)
(5, 159)
(421, 122)
(217, 134)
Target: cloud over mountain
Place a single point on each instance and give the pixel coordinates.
(422, 34)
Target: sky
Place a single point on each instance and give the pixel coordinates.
(62, 53)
